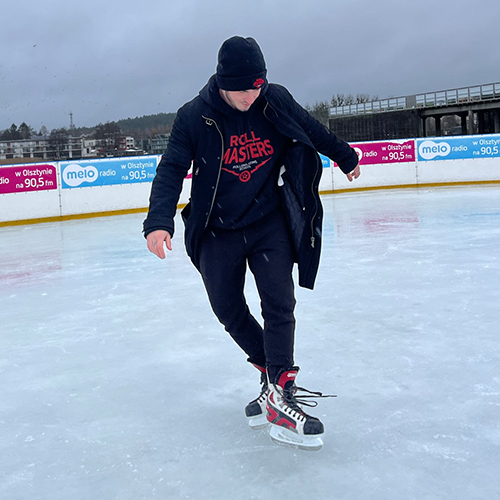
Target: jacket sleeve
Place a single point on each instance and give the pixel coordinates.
(324, 141)
(170, 174)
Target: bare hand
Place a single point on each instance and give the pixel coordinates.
(155, 241)
(354, 174)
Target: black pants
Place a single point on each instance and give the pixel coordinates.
(267, 249)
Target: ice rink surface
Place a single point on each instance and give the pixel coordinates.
(118, 383)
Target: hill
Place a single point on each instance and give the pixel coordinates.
(147, 125)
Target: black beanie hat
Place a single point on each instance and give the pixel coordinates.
(241, 65)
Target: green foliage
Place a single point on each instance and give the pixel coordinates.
(58, 138)
(148, 126)
(142, 127)
(15, 133)
(147, 122)
(107, 130)
(10, 134)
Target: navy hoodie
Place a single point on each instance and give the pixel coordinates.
(248, 184)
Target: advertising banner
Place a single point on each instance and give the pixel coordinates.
(325, 161)
(108, 172)
(373, 153)
(459, 148)
(27, 178)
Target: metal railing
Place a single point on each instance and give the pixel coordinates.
(450, 97)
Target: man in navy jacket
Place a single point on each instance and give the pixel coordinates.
(254, 202)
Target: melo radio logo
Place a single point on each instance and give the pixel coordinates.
(429, 150)
(74, 175)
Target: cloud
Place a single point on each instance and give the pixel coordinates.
(104, 61)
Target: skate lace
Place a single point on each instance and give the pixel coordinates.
(264, 384)
(308, 399)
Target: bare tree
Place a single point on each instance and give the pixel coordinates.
(58, 140)
(108, 136)
(345, 99)
(320, 110)
(342, 100)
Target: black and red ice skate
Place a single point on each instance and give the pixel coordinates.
(256, 409)
(290, 425)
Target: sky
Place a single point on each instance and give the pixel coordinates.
(106, 61)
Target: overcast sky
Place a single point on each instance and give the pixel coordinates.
(105, 60)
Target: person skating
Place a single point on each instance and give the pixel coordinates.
(254, 203)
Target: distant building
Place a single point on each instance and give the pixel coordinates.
(35, 147)
(159, 144)
(89, 147)
(66, 148)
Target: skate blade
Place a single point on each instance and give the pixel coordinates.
(285, 437)
(258, 422)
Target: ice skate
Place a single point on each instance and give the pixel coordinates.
(256, 409)
(290, 425)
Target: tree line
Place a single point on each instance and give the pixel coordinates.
(321, 109)
(144, 127)
(148, 126)
(15, 133)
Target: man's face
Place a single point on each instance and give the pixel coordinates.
(241, 100)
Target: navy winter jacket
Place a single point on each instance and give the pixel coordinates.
(196, 137)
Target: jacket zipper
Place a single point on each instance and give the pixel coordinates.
(210, 122)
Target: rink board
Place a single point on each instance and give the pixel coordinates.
(59, 190)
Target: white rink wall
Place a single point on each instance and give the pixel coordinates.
(84, 188)
(81, 188)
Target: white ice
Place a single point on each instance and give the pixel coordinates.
(116, 381)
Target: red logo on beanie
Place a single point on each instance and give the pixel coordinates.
(258, 83)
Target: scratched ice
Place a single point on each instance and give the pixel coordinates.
(118, 383)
